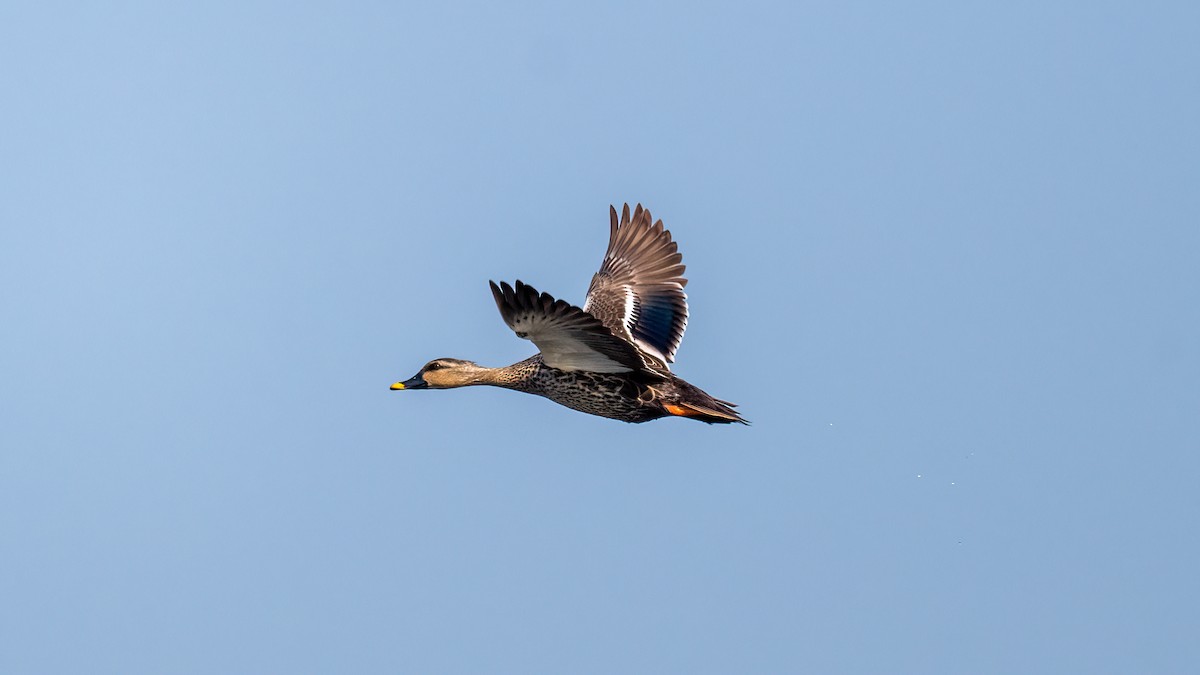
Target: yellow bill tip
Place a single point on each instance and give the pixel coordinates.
(397, 386)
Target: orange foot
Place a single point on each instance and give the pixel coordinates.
(678, 410)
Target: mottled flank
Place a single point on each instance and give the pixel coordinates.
(630, 398)
(611, 357)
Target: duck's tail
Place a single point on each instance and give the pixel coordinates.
(695, 403)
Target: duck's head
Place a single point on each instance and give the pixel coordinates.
(444, 374)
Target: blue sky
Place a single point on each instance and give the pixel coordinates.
(943, 255)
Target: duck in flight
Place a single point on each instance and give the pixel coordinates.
(611, 357)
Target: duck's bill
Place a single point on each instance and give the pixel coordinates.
(414, 383)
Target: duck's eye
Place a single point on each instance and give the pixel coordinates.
(432, 366)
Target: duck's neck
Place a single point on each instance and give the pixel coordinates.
(517, 376)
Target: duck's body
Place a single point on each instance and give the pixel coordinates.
(629, 397)
(610, 357)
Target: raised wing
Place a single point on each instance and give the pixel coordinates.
(568, 337)
(638, 292)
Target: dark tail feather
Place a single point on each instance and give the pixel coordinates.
(711, 411)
